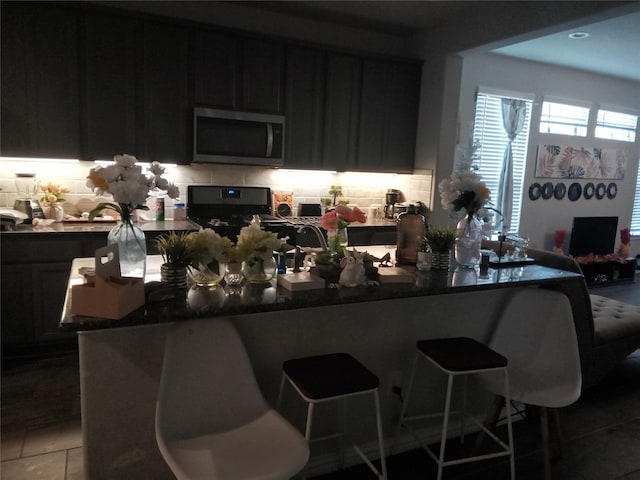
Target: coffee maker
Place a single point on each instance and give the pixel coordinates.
(27, 188)
(391, 198)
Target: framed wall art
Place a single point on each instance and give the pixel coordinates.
(561, 161)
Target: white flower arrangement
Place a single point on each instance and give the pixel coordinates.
(255, 244)
(128, 185)
(206, 247)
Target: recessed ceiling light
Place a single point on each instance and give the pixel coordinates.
(579, 35)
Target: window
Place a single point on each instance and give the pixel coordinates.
(563, 119)
(489, 133)
(616, 126)
(635, 216)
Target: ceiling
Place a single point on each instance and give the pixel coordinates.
(611, 48)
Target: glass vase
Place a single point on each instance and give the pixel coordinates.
(132, 248)
(206, 274)
(233, 274)
(54, 211)
(337, 240)
(468, 242)
(259, 270)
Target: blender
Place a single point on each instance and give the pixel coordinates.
(27, 188)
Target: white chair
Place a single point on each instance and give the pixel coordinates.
(536, 332)
(212, 421)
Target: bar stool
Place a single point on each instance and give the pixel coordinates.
(459, 356)
(334, 376)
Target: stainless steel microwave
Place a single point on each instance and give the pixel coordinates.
(242, 138)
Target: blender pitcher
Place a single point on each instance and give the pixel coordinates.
(27, 189)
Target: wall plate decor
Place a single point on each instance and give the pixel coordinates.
(588, 191)
(601, 191)
(547, 190)
(612, 190)
(559, 191)
(562, 161)
(283, 204)
(575, 190)
(535, 190)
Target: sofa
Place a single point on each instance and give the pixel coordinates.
(607, 330)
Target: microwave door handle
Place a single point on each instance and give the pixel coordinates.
(269, 139)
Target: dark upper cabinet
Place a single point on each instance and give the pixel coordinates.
(341, 116)
(217, 69)
(164, 108)
(262, 73)
(304, 107)
(388, 116)
(238, 73)
(108, 116)
(40, 78)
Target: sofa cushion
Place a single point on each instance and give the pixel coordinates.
(613, 319)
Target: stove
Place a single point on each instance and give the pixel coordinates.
(227, 209)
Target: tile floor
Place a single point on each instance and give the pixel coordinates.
(41, 439)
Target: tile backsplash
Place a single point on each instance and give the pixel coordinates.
(362, 189)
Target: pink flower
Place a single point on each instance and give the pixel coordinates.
(329, 221)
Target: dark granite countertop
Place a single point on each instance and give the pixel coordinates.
(165, 305)
(98, 227)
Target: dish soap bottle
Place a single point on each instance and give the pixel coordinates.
(410, 231)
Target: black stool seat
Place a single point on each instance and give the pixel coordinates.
(331, 375)
(461, 354)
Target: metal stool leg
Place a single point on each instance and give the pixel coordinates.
(405, 402)
(383, 461)
(281, 392)
(445, 426)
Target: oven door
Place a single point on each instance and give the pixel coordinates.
(242, 138)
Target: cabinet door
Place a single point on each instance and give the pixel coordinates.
(216, 70)
(163, 94)
(304, 108)
(17, 304)
(341, 112)
(388, 116)
(40, 106)
(50, 281)
(262, 65)
(108, 56)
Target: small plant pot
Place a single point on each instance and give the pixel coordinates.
(173, 276)
(440, 260)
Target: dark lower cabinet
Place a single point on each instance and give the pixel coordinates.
(40, 80)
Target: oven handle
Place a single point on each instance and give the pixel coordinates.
(269, 139)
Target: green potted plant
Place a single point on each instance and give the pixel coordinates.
(177, 255)
(439, 241)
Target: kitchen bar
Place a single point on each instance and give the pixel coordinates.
(120, 361)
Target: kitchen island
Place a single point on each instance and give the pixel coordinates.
(120, 360)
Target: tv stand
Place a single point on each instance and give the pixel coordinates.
(608, 273)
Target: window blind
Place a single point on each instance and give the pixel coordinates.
(635, 216)
(563, 119)
(488, 132)
(616, 126)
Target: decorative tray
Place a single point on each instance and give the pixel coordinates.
(511, 263)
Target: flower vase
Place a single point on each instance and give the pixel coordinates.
(468, 242)
(337, 239)
(132, 248)
(173, 276)
(54, 211)
(206, 274)
(259, 270)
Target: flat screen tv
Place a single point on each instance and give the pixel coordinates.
(595, 235)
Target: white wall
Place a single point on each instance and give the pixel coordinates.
(541, 218)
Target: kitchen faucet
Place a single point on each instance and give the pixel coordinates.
(316, 230)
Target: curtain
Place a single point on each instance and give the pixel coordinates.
(514, 114)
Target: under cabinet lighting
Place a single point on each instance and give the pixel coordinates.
(579, 35)
(34, 159)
